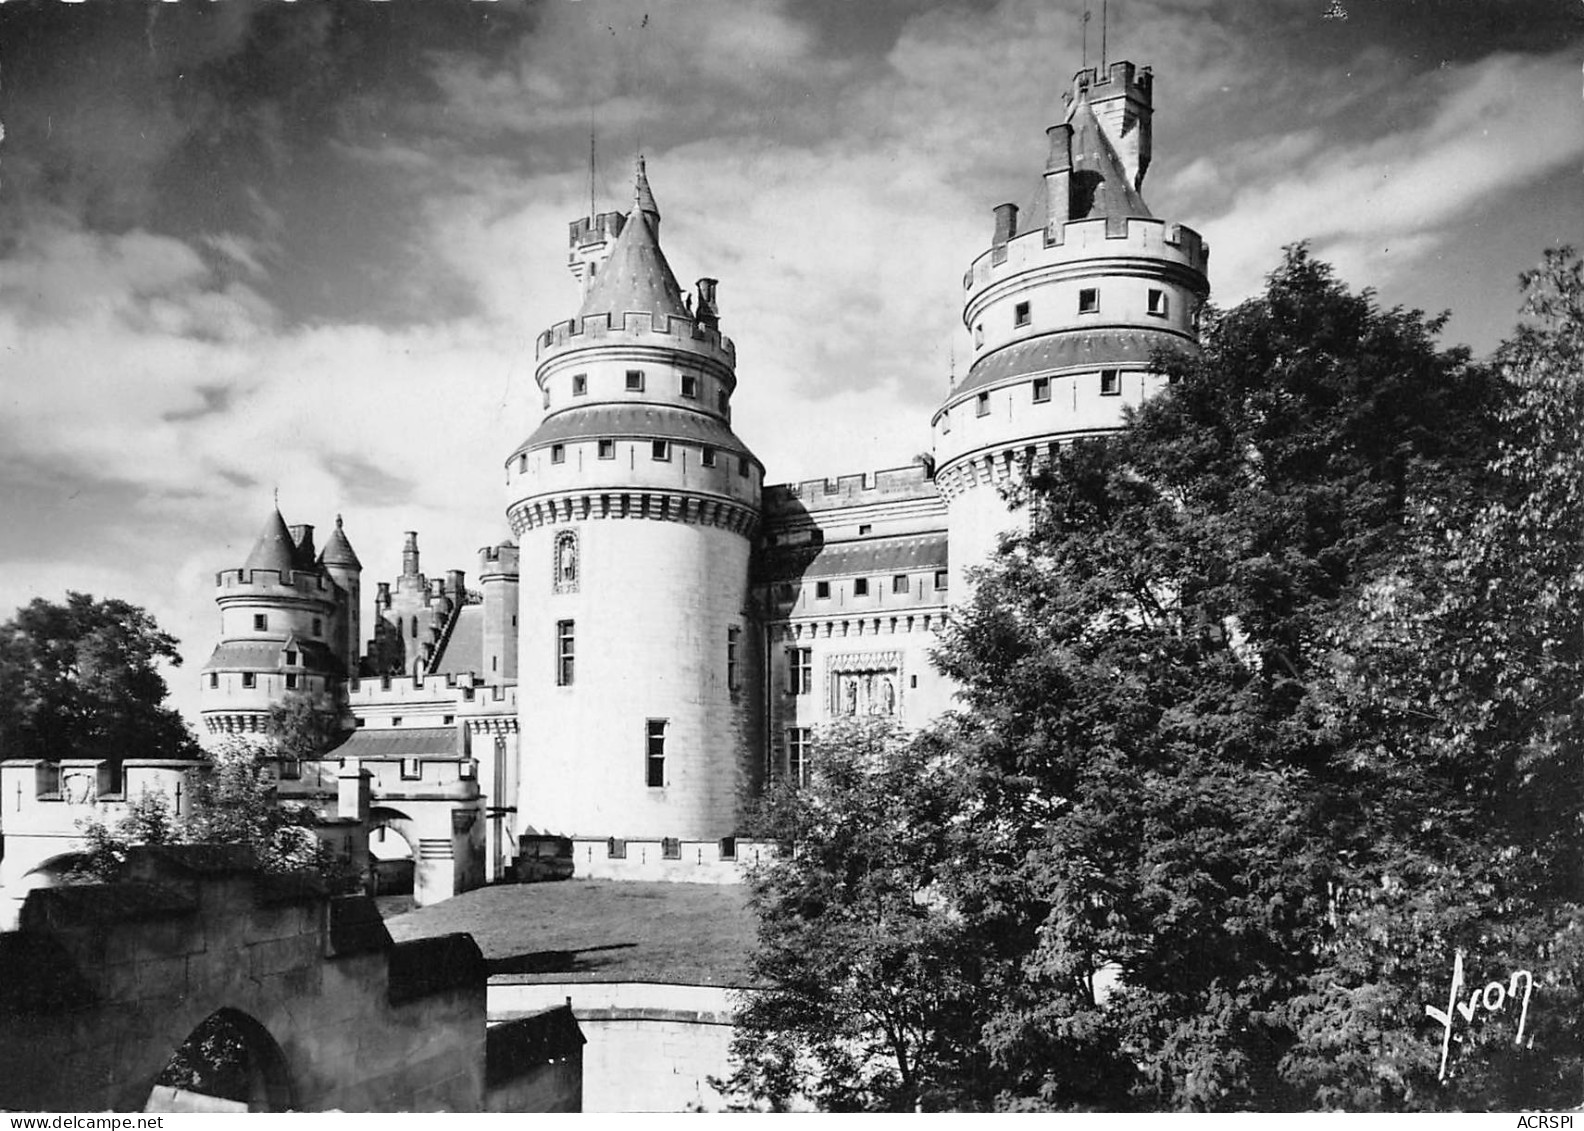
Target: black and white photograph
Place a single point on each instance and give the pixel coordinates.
(817, 556)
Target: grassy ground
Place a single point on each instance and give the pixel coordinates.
(598, 931)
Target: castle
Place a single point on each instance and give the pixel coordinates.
(665, 632)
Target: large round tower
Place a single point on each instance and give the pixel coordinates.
(1066, 308)
(634, 505)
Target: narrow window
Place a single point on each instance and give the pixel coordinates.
(579, 384)
(565, 646)
(690, 386)
(1089, 300)
(635, 380)
(662, 449)
(742, 466)
(860, 587)
(557, 453)
(547, 398)
(415, 628)
(1157, 303)
(260, 622)
(899, 583)
(982, 405)
(1110, 383)
(671, 848)
(978, 335)
(800, 668)
(654, 753)
(411, 769)
(722, 403)
(291, 657)
(607, 449)
(707, 457)
(822, 591)
(728, 848)
(214, 679)
(291, 681)
(1041, 389)
(1020, 314)
(945, 422)
(522, 464)
(733, 639)
(318, 627)
(797, 755)
(940, 579)
(249, 679)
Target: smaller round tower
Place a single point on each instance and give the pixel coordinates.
(279, 628)
(1066, 309)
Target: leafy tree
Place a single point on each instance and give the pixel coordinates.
(301, 727)
(1168, 796)
(82, 681)
(868, 998)
(1465, 674)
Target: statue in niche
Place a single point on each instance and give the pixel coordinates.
(887, 705)
(566, 563)
(849, 695)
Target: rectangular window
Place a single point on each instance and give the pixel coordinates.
(707, 457)
(1041, 389)
(1110, 383)
(565, 648)
(579, 384)
(447, 720)
(318, 627)
(723, 403)
(978, 335)
(940, 579)
(654, 753)
(860, 587)
(800, 669)
(607, 449)
(1089, 300)
(214, 679)
(616, 849)
(1020, 314)
(249, 679)
(260, 622)
(822, 591)
(899, 583)
(690, 386)
(945, 422)
(982, 405)
(797, 755)
(733, 639)
(411, 769)
(1157, 303)
(742, 466)
(671, 848)
(635, 380)
(557, 453)
(396, 720)
(290, 769)
(865, 528)
(522, 464)
(291, 657)
(291, 681)
(728, 848)
(661, 450)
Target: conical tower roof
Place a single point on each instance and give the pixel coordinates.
(274, 549)
(338, 551)
(636, 276)
(1100, 186)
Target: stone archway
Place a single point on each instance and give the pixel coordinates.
(393, 851)
(229, 1062)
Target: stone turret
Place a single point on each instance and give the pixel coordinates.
(1065, 309)
(634, 504)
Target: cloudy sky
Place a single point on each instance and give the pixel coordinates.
(308, 245)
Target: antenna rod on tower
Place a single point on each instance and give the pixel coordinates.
(1085, 24)
(1103, 5)
(591, 170)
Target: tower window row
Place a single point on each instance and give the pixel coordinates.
(900, 584)
(659, 450)
(635, 381)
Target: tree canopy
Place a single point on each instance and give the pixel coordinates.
(82, 681)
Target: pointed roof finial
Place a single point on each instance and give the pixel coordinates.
(643, 196)
(338, 551)
(275, 549)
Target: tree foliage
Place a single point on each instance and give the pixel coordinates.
(867, 1001)
(82, 681)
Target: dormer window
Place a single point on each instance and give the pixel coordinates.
(291, 657)
(1089, 300)
(635, 381)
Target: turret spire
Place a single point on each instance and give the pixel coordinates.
(636, 276)
(643, 196)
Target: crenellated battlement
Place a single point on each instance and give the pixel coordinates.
(239, 583)
(1078, 243)
(601, 228)
(890, 485)
(465, 688)
(595, 330)
(1120, 80)
(502, 559)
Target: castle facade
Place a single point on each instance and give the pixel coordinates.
(665, 632)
